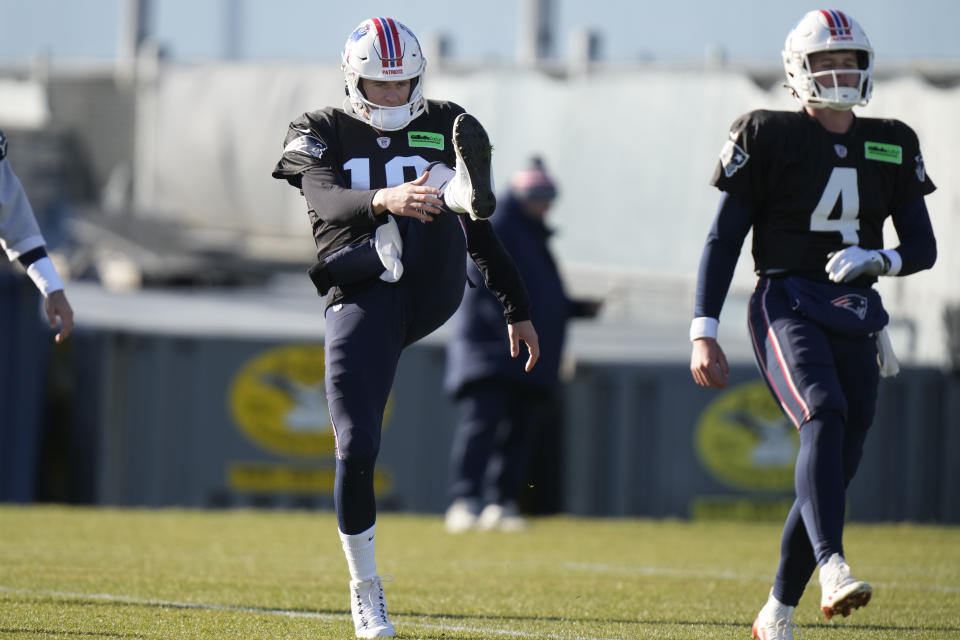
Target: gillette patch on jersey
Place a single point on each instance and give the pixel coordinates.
(425, 139)
(892, 153)
(732, 157)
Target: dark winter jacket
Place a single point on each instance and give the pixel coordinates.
(480, 347)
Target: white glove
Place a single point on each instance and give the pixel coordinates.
(853, 262)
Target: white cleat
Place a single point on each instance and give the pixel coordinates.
(842, 593)
(369, 609)
(502, 518)
(775, 621)
(776, 630)
(461, 515)
(471, 189)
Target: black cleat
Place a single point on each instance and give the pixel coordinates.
(471, 190)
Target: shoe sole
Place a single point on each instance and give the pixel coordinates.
(858, 596)
(472, 146)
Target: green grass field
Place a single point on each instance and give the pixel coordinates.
(108, 573)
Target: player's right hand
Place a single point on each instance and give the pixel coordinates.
(413, 199)
(708, 364)
(524, 331)
(59, 314)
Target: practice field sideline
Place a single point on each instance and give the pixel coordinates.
(108, 573)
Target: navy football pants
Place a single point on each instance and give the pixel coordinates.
(826, 383)
(364, 337)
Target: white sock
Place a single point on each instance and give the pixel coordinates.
(360, 551)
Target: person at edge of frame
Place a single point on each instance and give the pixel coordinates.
(22, 240)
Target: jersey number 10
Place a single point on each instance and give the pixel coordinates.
(359, 169)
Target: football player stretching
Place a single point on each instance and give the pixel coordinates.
(398, 190)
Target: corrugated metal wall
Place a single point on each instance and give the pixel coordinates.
(201, 421)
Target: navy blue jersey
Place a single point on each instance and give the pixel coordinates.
(814, 192)
(348, 153)
(339, 162)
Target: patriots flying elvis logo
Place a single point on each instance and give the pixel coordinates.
(307, 145)
(853, 303)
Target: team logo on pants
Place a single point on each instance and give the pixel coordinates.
(853, 303)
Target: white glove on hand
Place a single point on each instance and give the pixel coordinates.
(853, 262)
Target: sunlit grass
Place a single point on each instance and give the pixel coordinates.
(93, 572)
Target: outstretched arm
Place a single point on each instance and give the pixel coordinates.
(498, 269)
(708, 363)
(502, 278)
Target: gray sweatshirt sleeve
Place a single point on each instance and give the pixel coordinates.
(19, 231)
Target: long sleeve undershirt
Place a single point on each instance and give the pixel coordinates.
(917, 249)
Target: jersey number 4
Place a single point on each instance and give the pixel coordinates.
(840, 194)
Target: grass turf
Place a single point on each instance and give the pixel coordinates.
(112, 573)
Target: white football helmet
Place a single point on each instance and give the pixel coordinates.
(827, 30)
(384, 49)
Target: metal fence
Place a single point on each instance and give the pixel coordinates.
(139, 419)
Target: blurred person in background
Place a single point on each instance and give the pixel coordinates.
(21, 239)
(503, 409)
(392, 222)
(816, 186)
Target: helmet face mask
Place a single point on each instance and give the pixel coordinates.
(826, 30)
(383, 49)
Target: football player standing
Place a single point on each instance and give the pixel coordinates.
(816, 186)
(21, 240)
(392, 222)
